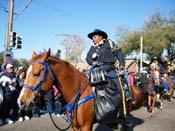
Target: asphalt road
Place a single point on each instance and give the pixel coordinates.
(160, 120)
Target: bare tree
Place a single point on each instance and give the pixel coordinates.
(74, 45)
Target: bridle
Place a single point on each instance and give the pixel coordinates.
(72, 103)
(37, 87)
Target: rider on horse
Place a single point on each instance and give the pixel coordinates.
(156, 70)
(103, 54)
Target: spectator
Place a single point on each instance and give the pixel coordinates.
(131, 78)
(21, 74)
(1, 100)
(8, 59)
(49, 100)
(8, 83)
(59, 101)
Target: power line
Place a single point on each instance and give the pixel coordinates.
(61, 11)
(22, 10)
(68, 14)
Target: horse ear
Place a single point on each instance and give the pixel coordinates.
(47, 54)
(34, 54)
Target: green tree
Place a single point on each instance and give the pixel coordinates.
(20, 62)
(1, 58)
(158, 33)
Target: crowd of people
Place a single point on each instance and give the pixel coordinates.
(11, 83)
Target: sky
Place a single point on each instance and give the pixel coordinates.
(42, 20)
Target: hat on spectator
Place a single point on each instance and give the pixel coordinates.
(144, 72)
(155, 58)
(19, 68)
(9, 66)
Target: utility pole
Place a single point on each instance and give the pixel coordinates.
(141, 53)
(10, 24)
(8, 58)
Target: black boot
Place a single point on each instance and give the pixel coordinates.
(128, 122)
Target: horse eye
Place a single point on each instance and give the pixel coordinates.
(36, 74)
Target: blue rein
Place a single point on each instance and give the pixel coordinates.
(37, 87)
(72, 104)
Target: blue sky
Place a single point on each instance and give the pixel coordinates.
(43, 19)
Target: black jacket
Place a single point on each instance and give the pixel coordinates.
(105, 54)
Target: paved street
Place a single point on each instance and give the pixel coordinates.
(160, 120)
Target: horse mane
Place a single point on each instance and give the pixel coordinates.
(58, 60)
(54, 59)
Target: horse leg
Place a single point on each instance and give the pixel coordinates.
(149, 103)
(161, 102)
(171, 92)
(154, 102)
(74, 129)
(86, 128)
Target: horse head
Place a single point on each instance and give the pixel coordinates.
(45, 71)
(34, 82)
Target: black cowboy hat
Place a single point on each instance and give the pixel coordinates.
(98, 32)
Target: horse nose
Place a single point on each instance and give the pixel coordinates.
(22, 104)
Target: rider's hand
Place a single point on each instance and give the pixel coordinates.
(122, 67)
(121, 72)
(95, 63)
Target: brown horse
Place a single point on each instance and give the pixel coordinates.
(46, 70)
(155, 89)
(139, 97)
(152, 94)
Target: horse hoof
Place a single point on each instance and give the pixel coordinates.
(169, 100)
(149, 110)
(160, 107)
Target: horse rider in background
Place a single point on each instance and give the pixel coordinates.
(156, 69)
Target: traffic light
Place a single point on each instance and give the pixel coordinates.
(18, 42)
(13, 39)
